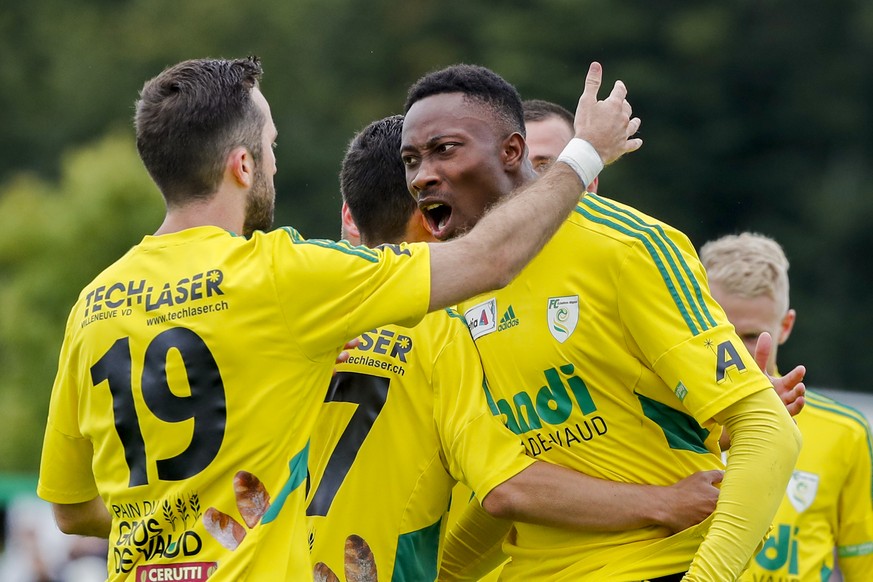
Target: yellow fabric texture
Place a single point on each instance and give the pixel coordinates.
(429, 428)
(828, 503)
(189, 380)
(609, 356)
(474, 541)
(765, 444)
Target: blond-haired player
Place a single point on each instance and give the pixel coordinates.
(829, 500)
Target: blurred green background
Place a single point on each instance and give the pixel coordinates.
(756, 115)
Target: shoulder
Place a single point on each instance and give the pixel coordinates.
(287, 235)
(835, 416)
(444, 325)
(629, 227)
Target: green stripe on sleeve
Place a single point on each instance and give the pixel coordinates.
(668, 281)
(341, 246)
(660, 238)
(825, 403)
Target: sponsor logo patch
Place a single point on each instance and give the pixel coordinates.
(190, 572)
(563, 315)
(482, 318)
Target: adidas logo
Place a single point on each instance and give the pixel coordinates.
(508, 320)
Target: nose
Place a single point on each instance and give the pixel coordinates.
(422, 177)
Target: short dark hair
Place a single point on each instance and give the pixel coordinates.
(539, 109)
(478, 84)
(373, 183)
(190, 117)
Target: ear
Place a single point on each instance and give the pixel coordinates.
(786, 325)
(241, 167)
(514, 151)
(350, 229)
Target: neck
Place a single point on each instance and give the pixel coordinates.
(210, 212)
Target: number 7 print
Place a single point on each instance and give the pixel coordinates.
(370, 394)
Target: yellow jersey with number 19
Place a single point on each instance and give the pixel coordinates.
(190, 377)
(608, 355)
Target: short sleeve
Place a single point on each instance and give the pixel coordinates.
(65, 475)
(480, 451)
(332, 291)
(671, 319)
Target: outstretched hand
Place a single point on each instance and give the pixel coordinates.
(789, 387)
(607, 125)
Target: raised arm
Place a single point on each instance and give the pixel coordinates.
(765, 445)
(514, 231)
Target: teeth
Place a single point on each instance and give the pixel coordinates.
(432, 206)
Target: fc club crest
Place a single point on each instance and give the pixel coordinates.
(563, 315)
(802, 489)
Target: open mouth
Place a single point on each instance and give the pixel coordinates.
(438, 216)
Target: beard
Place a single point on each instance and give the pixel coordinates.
(260, 204)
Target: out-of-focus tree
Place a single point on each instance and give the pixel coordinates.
(56, 238)
(756, 116)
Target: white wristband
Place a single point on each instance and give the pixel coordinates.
(583, 158)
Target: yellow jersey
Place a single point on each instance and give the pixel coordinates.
(404, 420)
(828, 504)
(189, 381)
(608, 355)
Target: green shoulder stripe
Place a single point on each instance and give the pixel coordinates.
(292, 234)
(824, 403)
(453, 313)
(342, 246)
(666, 264)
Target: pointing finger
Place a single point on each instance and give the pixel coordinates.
(592, 83)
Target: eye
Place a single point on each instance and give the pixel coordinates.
(445, 147)
(543, 164)
(409, 161)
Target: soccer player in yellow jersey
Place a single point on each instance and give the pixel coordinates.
(606, 355)
(406, 418)
(829, 500)
(192, 369)
(548, 129)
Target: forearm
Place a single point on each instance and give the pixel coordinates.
(473, 545)
(765, 443)
(552, 495)
(89, 518)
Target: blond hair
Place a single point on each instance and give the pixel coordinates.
(748, 265)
